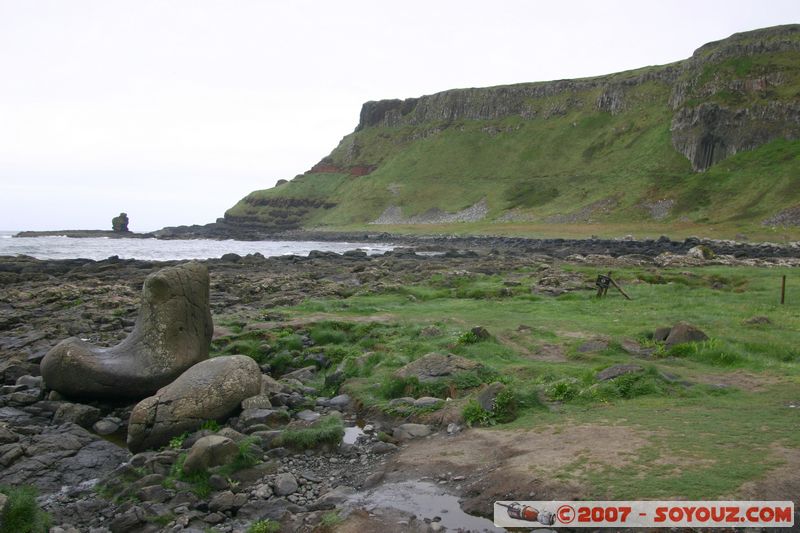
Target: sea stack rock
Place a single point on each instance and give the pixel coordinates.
(172, 333)
(211, 390)
(120, 224)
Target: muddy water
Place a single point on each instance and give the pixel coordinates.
(425, 500)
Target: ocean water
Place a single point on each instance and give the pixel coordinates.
(157, 250)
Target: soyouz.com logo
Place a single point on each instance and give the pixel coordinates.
(644, 513)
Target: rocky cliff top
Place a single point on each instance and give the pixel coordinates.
(491, 103)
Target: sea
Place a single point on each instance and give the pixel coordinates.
(61, 247)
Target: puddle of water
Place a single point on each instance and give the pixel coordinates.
(425, 500)
(351, 435)
(120, 438)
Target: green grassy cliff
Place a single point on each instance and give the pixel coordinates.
(712, 141)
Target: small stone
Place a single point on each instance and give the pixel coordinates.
(427, 401)
(269, 417)
(153, 493)
(222, 501)
(481, 333)
(383, 447)
(661, 334)
(260, 401)
(214, 518)
(208, 451)
(263, 492)
(30, 382)
(218, 482)
(633, 347)
(308, 416)
(302, 375)
(105, 427)
(231, 433)
(285, 484)
(339, 402)
(83, 415)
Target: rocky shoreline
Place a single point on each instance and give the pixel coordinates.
(556, 247)
(70, 450)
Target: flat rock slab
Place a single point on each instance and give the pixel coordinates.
(411, 431)
(307, 415)
(592, 346)
(269, 417)
(427, 401)
(617, 371)
(66, 455)
(633, 347)
(436, 365)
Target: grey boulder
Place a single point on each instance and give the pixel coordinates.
(210, 390)
(172, 332)
(683, 332)
(208, 451)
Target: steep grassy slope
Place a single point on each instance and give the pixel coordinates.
(713, 140)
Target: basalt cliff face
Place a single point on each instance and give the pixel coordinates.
(730, 97)
(713, 138)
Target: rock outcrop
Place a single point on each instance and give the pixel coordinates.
(725, 102)
(119, 224)
(172, 333)
(210, 390)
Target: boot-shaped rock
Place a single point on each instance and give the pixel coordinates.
(172, 333)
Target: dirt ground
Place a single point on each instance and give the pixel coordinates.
(501, 464)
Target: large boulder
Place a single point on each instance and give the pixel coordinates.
(172, 333)
(210, 390)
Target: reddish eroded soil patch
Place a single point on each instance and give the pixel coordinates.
(739, 379)
(515, 464)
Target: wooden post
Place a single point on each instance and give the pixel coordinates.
(620, 290)
(783, 289)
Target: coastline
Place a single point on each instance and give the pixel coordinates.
(84, 234)
(557, 247)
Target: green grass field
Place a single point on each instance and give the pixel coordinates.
(715, 414)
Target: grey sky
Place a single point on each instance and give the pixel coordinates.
(173, 110)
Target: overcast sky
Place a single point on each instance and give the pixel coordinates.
(174, 110)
